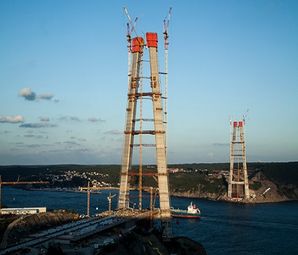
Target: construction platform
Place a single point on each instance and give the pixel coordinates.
(81, 230)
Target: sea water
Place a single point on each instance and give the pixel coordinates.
(224, 228)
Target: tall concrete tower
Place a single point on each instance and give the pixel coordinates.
(135, 96)
(238, 180)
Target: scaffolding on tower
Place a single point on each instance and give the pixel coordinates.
(238, 187)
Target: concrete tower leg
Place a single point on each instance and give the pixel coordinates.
(137, 50)
(245, 177)
(159, 128)
(233, 139)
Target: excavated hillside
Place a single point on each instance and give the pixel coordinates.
(262, 188)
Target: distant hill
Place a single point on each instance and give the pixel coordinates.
(198, 179)
(282, 173)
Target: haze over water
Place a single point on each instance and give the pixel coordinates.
(224, 228)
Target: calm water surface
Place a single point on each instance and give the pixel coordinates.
(224, 228)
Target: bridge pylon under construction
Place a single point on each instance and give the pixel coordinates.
(134, 134)
(238, 187)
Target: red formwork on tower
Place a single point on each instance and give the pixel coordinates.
(151, 39)
(137, 44)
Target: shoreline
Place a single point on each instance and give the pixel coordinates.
(222, 198)
(175, 194)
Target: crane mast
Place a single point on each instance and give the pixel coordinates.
(130, 25)
(166, 22)
(18, 182)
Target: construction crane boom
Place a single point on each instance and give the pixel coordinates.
(166, 22)
(131, 25)
(17, 183)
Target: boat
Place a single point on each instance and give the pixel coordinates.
(192, 212)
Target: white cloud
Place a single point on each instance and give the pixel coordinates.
(36, 136)
(96, 120)
(11, 119)
(69, 118)
(221, 144)
(44, 119)
(46, 96)
(30, 95)
(113, 132)
(71, 143)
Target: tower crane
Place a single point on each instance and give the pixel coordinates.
(166, 23)
(131, 27)
(92, 188)
(245, 116)
(88, 189)
(110, 200)
(18, 182)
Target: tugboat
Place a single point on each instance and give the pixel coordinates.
(192, 212)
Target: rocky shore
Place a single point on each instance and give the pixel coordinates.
(262, 190)
(274, 195)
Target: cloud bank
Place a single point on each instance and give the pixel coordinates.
(69, 118)
(36, 136)
(221, 144)
(11, 119)
(94, 120)
(77, 119)
(44, 119)
(37, 125)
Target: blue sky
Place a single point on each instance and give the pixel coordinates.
(63, 78)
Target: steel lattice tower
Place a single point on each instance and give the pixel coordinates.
(135, 95)
(238, 180)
